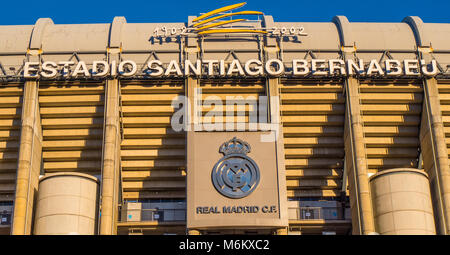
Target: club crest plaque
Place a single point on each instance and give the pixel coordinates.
(235, 175)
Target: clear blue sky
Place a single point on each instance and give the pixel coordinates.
(20, 12)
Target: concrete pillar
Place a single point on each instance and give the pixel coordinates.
(29, 163)
(274, 111)
(193, 232)
(111, 160)
(282, 231)
(435, 156)
(360, 198)
(191, 86)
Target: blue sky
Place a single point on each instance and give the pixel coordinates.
(17, 12)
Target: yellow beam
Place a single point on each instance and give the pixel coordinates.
(226, 16)
(220, 24)
(226, 31)
(216, 11)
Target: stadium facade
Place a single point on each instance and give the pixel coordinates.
(225, 126)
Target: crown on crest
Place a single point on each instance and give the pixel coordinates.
(234, 146)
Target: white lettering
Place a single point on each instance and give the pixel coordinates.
(255, 70)
(131, 72)
(49, 69)
(28, 67)
(279, 65)
(300, 67)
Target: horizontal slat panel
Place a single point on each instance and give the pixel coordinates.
(11, 101)
(391, 131)
(148, 99)
(391, 142)
(134, 185)
(390, 162)
(409, 109)
(388, 86)
(8, 188)
(314, 163)
(9, 145)
(152, 143)
(318, 98)
(327, 120)
(71, 144)
(64, 100)
(133, 195)
(388, 98)
(316, 152)
(313, 142)
(72, 166)
(71, 155)
(152, 87)
(8, 156)
(153, 174)
(296, 131)
(313, 173)
(9, 135)
(10, 113)
(80, 111)
(8, 124)
(8, 166)
(73, 134)
(314, 193)
(143, 110)
(152, 154)
(392, 152)
(72, 88)
(325, 184)
(146, 164)
(388, 120)
(72, 123)
(311, 87)
(6, 178)
(312, 109)
(151, 133)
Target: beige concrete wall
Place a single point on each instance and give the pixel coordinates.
(67, 205)
(402, 202)
(203, 154)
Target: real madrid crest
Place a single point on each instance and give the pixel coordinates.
(235, 175)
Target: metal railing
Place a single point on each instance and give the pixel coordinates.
(160, 215)
(316, 213)
(173, 215)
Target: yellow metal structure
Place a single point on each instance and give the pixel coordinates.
(219, 24)
(216, 11)
(226, 16)
(226, 31)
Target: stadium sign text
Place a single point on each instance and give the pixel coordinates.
(252, 67)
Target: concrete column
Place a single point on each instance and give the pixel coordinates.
(191, 94)
(193, 232)
(282, 231)
(360, 198)
(435, 156)
(110, 164)
(274, 111)
(29, 163)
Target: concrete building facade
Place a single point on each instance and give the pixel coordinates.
(333, 128)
